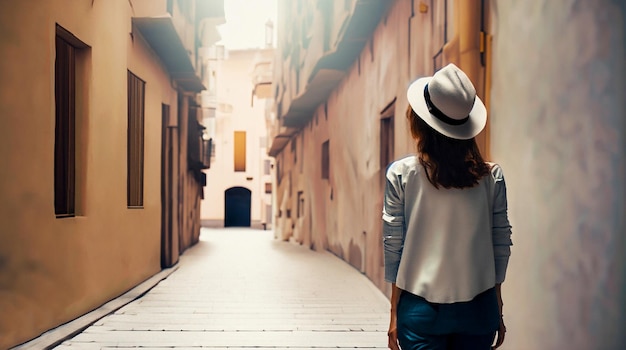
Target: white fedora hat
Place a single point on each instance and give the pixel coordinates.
(447, 102)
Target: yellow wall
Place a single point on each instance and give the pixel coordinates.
(52, 270)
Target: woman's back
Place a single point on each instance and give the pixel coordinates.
(448, 232)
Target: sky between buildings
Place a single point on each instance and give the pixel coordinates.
(245, 23)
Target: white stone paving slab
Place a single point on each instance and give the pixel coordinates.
(241, 289)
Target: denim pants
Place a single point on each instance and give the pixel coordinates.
(470, 325)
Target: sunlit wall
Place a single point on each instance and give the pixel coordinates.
(238, 111)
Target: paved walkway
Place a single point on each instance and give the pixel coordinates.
(241, 289)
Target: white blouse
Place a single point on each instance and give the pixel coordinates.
(445, 245)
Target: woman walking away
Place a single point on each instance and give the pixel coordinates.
(446, 234)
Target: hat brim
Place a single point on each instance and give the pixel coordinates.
(474, 125)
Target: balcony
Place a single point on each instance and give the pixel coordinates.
(331, 68)
(174, 32)
(323, 69)
(162, 36)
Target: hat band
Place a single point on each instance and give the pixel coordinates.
(438, 113)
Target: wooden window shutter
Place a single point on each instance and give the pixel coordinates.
(240, 151)
(325, 160)
(65, 125)
(135, 156)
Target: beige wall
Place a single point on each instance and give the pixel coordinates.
(342, 214)
(234, 88)
(52, 270)
(558, 129)
(556, 126)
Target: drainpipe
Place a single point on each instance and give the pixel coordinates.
(468, 13)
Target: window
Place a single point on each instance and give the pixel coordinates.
(207, 145)
(194, 138)
(300, 204)
(325, 160)
(267, 166)
(135, 148)
(268, 187)
(268, 213)
(302, 153)
(386, 138)
(294, 149)
(240, 151)
(65, 80)
(279, 174)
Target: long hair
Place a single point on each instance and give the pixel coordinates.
(448, 162)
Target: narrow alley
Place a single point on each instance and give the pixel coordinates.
(240, 288)
(212, 174)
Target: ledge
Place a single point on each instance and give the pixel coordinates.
(161, 35)
(331, 68)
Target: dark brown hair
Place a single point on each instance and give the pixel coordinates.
(448, 162)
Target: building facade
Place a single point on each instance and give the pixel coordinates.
(340, 104)
(103, 156)
(548, 74)
(240, 173)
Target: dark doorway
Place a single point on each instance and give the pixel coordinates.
(237, 201)
(169, 247)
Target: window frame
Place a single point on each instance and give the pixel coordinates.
(387, 137)
(66, 71)
(325, 160)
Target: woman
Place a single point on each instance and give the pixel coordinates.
(446, 233)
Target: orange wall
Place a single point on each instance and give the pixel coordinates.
(52, 270)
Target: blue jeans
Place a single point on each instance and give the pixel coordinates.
(471, 325)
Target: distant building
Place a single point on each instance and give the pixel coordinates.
(240, 181)
(102, 152)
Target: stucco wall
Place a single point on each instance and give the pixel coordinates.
(557, 127)
(52, 270)
(558, 130)
(342, 213)
(234, 84)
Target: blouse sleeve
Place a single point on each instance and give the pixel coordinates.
(393, 224)
(501, 228)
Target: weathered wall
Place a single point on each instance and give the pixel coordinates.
(235, 87)
(52, 270)
(558, 130)
(342, 213)
(557, 110)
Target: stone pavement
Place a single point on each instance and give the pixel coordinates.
(241, 289)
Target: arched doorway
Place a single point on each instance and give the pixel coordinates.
(237, 201)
